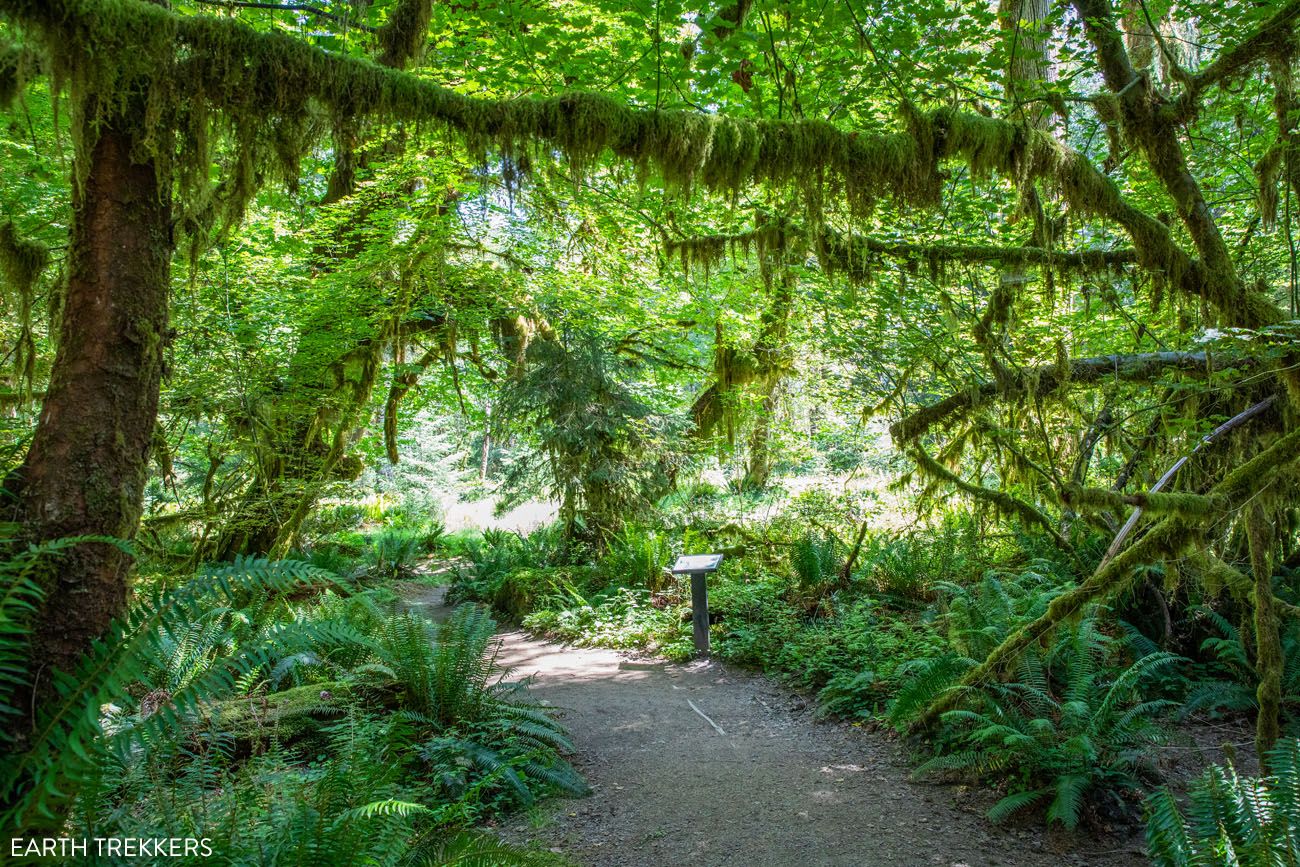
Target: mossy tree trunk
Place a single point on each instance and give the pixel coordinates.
(86, 469)
(759, 470)
(1268, 638)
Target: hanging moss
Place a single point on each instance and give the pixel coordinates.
(732, 18)
(1050, 379)
(770, 242)
(403, 37)
(1216, 576)
(11, 72)
(1267, 173)
(203, 75)
(852, 255)
(22, 261)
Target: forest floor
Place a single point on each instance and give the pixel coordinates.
(704, 764)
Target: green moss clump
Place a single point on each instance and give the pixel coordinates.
(402, 39)
(1183, 504)
(22, 261)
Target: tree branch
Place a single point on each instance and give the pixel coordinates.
(1049, 378)
(306, 8)
(1270, 36)
(1145, 122)
(256, 80)
(1168, 538)
(852, 253)
(1001, 499)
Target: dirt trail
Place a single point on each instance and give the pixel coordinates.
(761, 782)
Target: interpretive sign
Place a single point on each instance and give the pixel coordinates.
(698, 566)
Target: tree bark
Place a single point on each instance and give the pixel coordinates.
(86, 469)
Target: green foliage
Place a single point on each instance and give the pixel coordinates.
(1227, 681)
(515, 572)
(815, 560)
(279, 719)
(638, 556)
(618, 617)
(61, 752)
(1229, 819)
(523, 319)
(911, 565)
(479, 850)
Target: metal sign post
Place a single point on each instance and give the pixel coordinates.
(698, 566)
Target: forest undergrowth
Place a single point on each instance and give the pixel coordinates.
(1074, 736)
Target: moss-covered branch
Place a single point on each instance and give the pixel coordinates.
(1269, 37)
(1100, 499)
(258, 81)
(854, 255)
(263, 83)
(1169, 537)
(1051, 378)
(1269, 661)
(1145, 122)
(849, 254)
(403, 382)
(1003, 501)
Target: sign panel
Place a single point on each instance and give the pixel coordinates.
(696, 563)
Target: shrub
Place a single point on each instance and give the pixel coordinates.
(395, 553)
(1229, 682)
(284, 725)
(623, 618)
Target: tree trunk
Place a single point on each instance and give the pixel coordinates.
(1268, 639)
(86, 469)
(759, 471)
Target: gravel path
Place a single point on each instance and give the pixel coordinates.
(703, 764)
